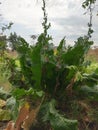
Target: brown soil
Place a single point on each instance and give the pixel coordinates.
(3, 125)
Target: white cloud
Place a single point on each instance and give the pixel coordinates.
(66, 16)
(23, 12)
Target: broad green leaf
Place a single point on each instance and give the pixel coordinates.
(90, 92)
(61, 45)
(40, 93)
(75, 55)
(57, 121)
(18, 93)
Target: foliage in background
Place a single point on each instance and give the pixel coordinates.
(13, 40)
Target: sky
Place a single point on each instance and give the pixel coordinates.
(66, 17)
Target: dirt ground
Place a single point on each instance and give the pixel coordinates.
(3, 125)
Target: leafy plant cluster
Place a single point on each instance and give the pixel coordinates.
(52, 77)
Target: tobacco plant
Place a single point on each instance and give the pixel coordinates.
(52, 76)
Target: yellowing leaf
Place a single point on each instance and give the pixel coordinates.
(2, 103)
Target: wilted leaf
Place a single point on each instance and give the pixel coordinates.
(24, 111)
(30, 119)
(2, 103)
(10, 126)
(5, 115)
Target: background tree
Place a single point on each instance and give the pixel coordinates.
(3, 44)
(14, 41)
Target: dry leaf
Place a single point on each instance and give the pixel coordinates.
(84, 105)
(24, 111)
(10, 126)
(70, 85)
(30, 119)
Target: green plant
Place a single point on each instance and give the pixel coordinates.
(57, 121)
(53, 77)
